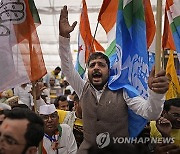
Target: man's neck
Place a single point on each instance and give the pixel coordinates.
(99, 88)
(51, 133)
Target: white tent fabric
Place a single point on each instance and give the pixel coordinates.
(49, 11)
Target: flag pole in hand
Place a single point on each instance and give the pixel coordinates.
(158, 36)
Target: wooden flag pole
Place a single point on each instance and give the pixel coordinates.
(158, 36)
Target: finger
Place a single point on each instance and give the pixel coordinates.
(160, 82)
(152, 73)
(74, 24)
(160, 85)
(161, 76)
(160, 90)
(64, 13)
(161, 73)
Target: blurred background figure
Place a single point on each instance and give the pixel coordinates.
(45, 94)
(56, 74)
(5, 95)
(61, 103)
(23, 92)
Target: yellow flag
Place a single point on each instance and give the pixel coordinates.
(174, 85)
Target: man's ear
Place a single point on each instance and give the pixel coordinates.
(32, 150)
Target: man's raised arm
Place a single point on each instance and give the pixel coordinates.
(67, 66)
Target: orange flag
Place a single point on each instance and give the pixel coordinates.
(86, 43)
(150, 23)
(26, 35)
(167, 40)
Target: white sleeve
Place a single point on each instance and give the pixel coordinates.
(71, 142)
(149, 109)
(68, 139)
(39, 103)
(72, 76)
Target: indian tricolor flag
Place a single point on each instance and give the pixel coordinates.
(107, 18)
(21, 57)
(86, 43)
(173, 15)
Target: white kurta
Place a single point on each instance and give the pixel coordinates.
(67, 142)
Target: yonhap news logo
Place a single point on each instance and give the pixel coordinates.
(103, 140)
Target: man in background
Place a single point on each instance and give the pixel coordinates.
(58, 138)
(169, 124)
(56, 74)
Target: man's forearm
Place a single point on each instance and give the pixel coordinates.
(67, 66)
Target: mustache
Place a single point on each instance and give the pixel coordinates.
(96, 73)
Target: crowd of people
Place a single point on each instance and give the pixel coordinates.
(71, 115)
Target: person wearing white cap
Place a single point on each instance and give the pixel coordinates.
(58, 138)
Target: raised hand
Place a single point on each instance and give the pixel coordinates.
(64, 27)
(158, 83)
(164, 126)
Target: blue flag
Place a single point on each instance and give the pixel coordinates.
(130, 68)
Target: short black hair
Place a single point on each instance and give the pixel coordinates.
(67, 92)
(24, 106)
(35, 129)
(98, 55)
(58, 68)
(171, 102)
(61, 98)
(71, 105)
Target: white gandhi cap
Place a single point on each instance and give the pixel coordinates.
(47, 109)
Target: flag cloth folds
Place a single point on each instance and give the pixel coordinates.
(174, 86)
(107, 18)
(86, 43)
(173, 15)
(150, 23)
(130, 69)
(21, 57)
(167, 39)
